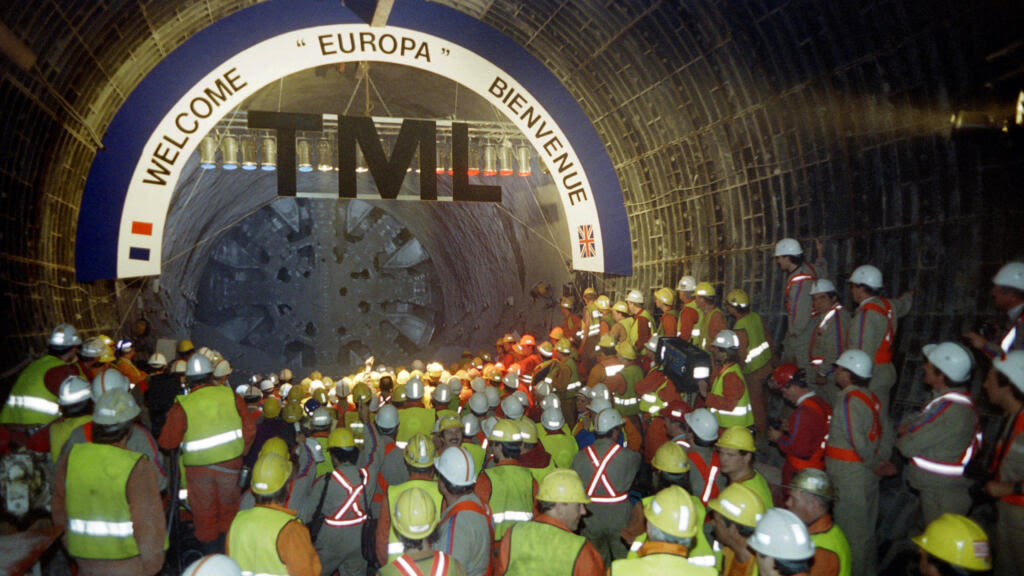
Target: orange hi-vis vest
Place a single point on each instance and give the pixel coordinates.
(794, 280)
(351, 512)
(601, 478)
(871, 401)
(407, 566)
(483, 510)
(817, 460)
(884, 353)
(818, 360)
(952, 469)
(709, 473)
(1002, 450)
(382, 484)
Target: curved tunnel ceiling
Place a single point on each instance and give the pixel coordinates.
(730, 125)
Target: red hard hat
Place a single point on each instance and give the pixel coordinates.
(784, 374)
(675, 410)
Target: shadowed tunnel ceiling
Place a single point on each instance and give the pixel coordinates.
(730, 124)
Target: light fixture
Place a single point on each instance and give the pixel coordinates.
(1019, 116)
(208, 153)
(490, 160)
(972, 120)
(248, 144)
(269, 155)
(523, 156)
(506, 159)
(323, 155)
(229, 153)
(303, 152)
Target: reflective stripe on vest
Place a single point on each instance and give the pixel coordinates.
(600, 467)
(884, 353)
(819, 360)
(741, 415)
(408, 567)
(1009, 339)
(252, 540)
(573, 385)
(795, 279)
(709, 474)
(30, 402)
(848, 454)
(753, 354)
(99, 515)
(395, 547)
(613, 369)
(34, 404)
(211, 442)
(952, 469)
(816, 460)
(100, 528)
(1003, 447)
(214, 428)
(351, 508)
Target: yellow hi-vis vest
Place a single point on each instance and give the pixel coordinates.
(252, 540)
(539, 548)
(702, 553)
(695, 334)
(659, 565)
(628, 404)
(633, 332)
(758, 351)
(327, 466)
(703, 324)
(511, 497)
(561, 447)
(99, 517)
(412, 421)
(30, 403)
(395, 546)
(741, 415)
(61, 430)
(835, 541)
(214, 430)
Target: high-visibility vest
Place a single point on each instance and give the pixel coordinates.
(884, 353)
(478, 453)
(651, 402)
(952, 469)
(539, 548)
(658, 565)
(695, 332)
(481, 509)
(600, 482)
(214, 430)
(840, 345)
(30, 403)
(663, 329)
(395, 546)
(709, 472)
(356, 426)
(871, 401)
(741, 415)
(795, 279)
(511, 496)
(704, 325)
(414, 420)
(627, 403)
(327, 466)
(633, 331)
(702, 554)
(252, 540)
(99, 517)
(758, 349)
(382, 483)
(61, 430)
(816, 460)
(351, 511)
(1003, 447)
(562, 448)
(404, 565)
(835, 541)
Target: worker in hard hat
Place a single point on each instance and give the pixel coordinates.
(622, 384)
(665, 301)
(608, 471)
(124, 362)
(320, 423)
(801, 274)
(556, 439)
(706, 479)
(414, 418)
(336, 510)
(507, 488)
(563, 377)
(754, 354)
(163, 387)
(598, 323)
(690, 314)
(466, 532)
(606, 361)
(727, 397)
(107, 500)
(417, 514)
(186, 349)
(76, 405)
(828, 339)
(382, 457)
(782, 544)
(419, 457)
(1004, 388)
(712, 320)
(673, 524)
(528, 359)
(213, 565)
(655, 392)
(33, 399)
(272, 425)
(810, 498)
(211, 427)
(736, 449)
(954, 544)
(734, 515)
(1008, 298)
(623, 321)
(643, 325)
(533, 456)
(942, 439)
(548, 544)
(269, 538)
(572, 323)
(802, 441)
(854, 437)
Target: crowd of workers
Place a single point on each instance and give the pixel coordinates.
(578, 455)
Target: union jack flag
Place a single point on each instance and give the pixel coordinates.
(588, 247)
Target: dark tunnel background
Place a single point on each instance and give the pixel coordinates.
(731, 124)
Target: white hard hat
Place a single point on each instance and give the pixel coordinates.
(727, 339)
(115, 407)
(703, 423)
(635, 296)
(867, 275)
(652, 343)
(178, 366)
(213, 565)
(94, 348)
(478, 403)
(788, 247)
(455, 385)
(856, 361)
(823, 286)
(951, 358)
(511, 380)
(387, 417)
(440, 395)
(783, 535)
(157, 360)
(487, 425)
(109, 379)
(1012, 365)
(64, 336)
(266, 385)
(543, 389)
(321, 417)
(608, 419)
(198, 366)
(241, 389)
(522, 397)
(599, 390)
(285, 389)
(551, 401)
(512, 407)
(493, 398)
(598, 405)
(222, 369)
(414, 388)
(686, 284)
(456, 466)
(1010, 275)
(470, 424)
(552, 419)
(74, 389)
(478, 384)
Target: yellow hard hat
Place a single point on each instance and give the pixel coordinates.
(671, 458)
(737, 438)
(563, 346)
(565, 302)
(107, 356)
(957, 540)
(738, 298)
(813, 481)
(625, 349)
(739, 503)
(603, 303)
(292, 412)
(528, 430)
(562, 485)
(296, 393)
(589, 291)
(270, 473)
(272, 407)
(416, 516)
(606, 340)
(341, 437)
(506, 430)
(620, 306)
(398, 394)
(184, 346)
(402, 377)
(672, 511)
(449, 422)
(286, 375)
(320, 395)
(361, 393)
(420, 452)
(316, 375)
(666, 296)
(274, 445)
(705, 289)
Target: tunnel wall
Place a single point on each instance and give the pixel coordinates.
(731, 124)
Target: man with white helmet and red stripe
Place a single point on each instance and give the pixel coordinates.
(1004, 387)
(465, 532)
(789, 257)
(1008, 297)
